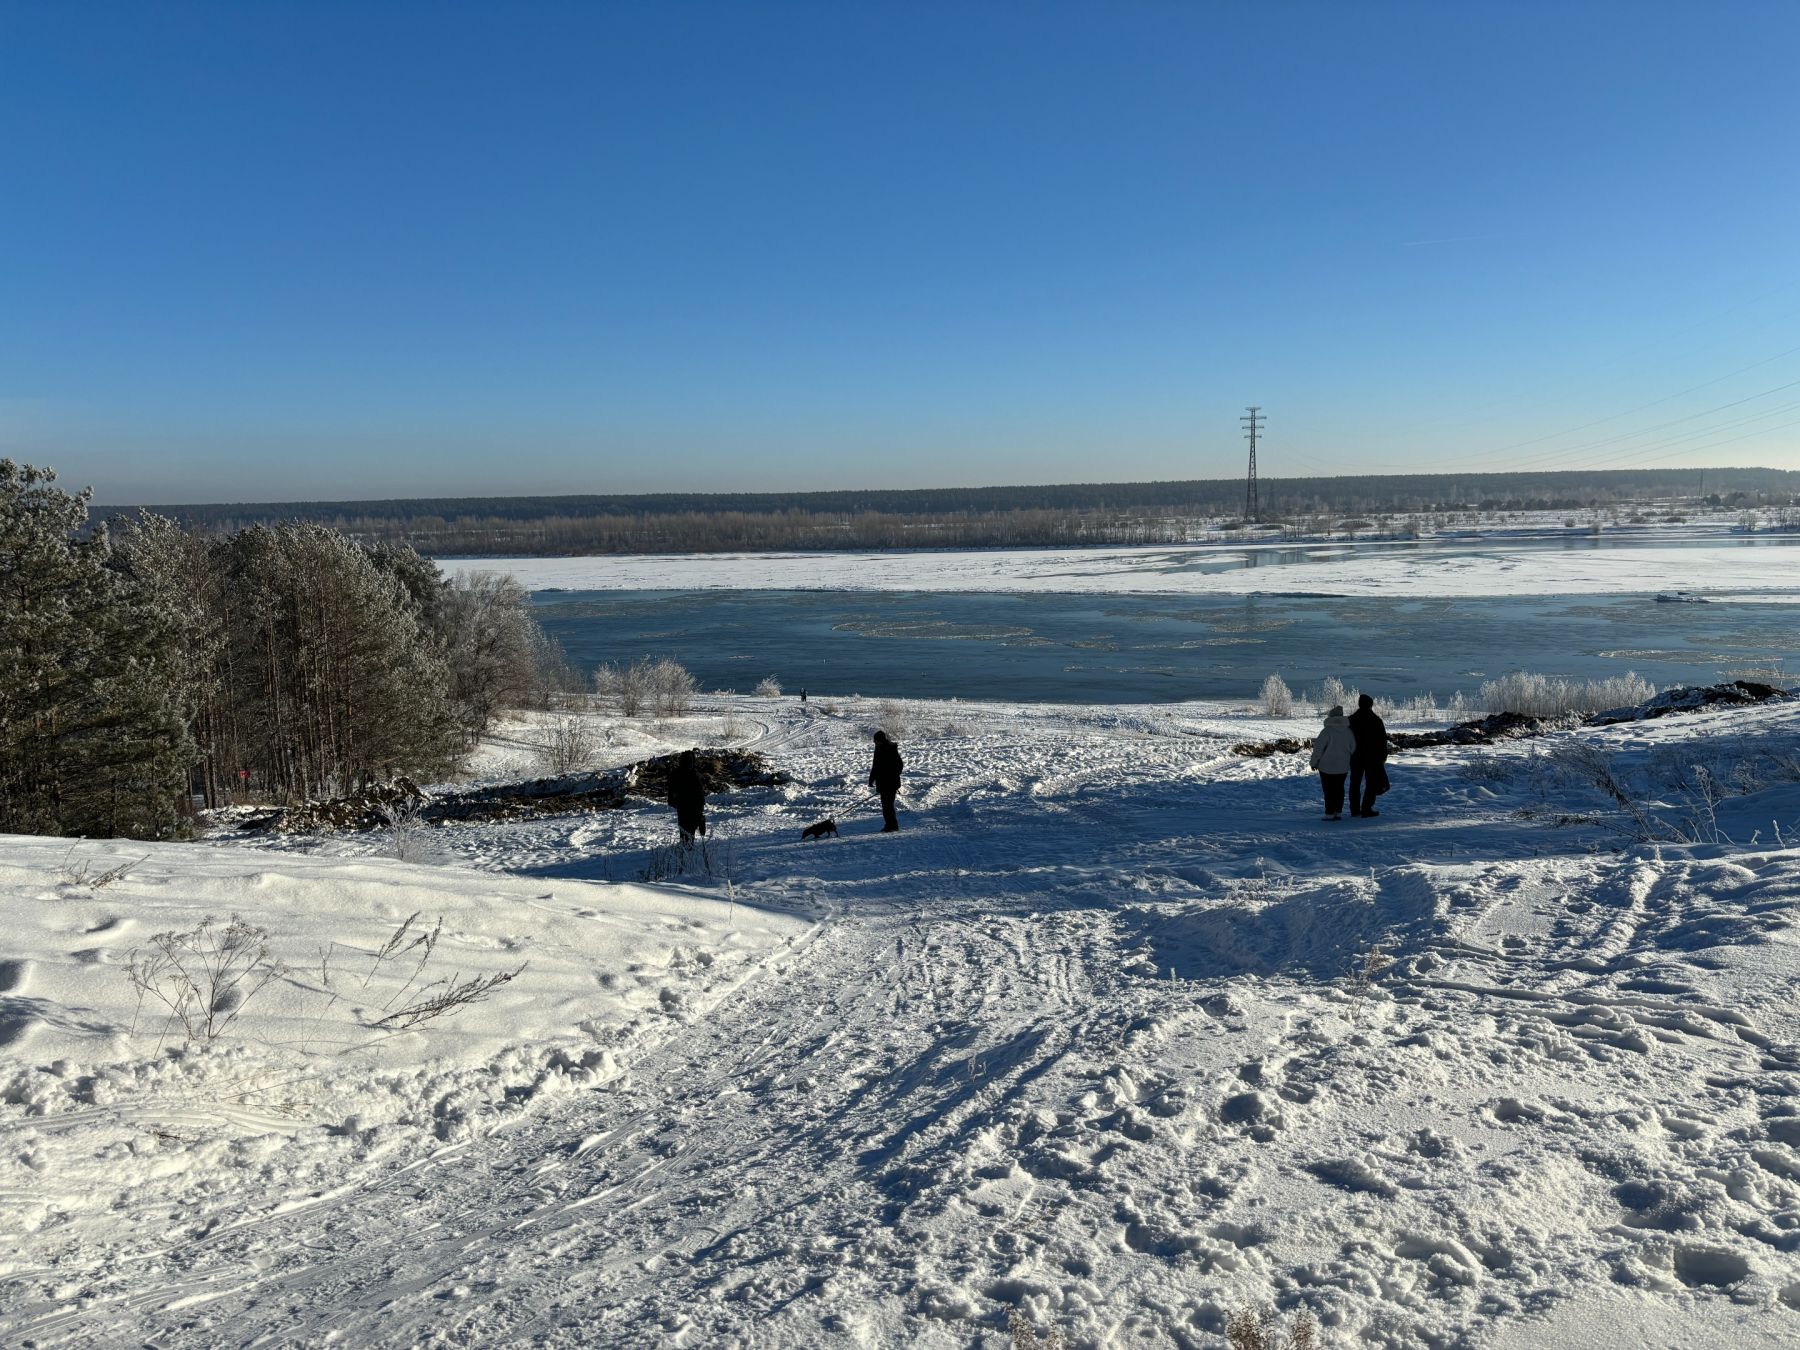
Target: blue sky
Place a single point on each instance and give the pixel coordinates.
(256, 251)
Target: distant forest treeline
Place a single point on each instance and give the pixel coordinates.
(990, 517)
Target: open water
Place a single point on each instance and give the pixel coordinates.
(1150, 649)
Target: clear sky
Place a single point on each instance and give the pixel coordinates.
(282, 250)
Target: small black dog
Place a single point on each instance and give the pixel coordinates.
(819, 831)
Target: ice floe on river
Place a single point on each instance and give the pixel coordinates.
(1749, 570)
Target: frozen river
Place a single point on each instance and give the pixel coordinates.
(1157, 648)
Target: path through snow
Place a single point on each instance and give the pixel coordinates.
(1119, 1035)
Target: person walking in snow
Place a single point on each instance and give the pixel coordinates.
(687, 794)
(1368, 764)
(884, 777)
(1332, 751)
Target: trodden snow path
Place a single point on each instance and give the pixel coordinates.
(1105, 1037)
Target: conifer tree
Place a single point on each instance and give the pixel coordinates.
(92, 738)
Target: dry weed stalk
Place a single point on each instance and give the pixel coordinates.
(206, 976)
(1261, 1330)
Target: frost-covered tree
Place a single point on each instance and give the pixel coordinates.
(176, 569)
(1277, 698)
(336, 676)
(494, 645)
(93, 738)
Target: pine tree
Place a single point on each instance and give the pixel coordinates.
(92, 739)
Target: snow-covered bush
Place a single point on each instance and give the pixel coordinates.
(1277, 698)
(566, 743)
(662, 687)
(733, 731)
(1333, 693)
(895, 718)
(1420, 708)
(1534, 695)
(769, 687)
(408, 836)
(1484, 766)
(609, 689)
(672, 687)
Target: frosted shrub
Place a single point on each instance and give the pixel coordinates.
(1277, 698)
(1333, 693)
(672, 688)
(1421, 708)
(566, 744)
(661, 687)
(895, 718)
(769, 687)
(408, 836)
(1483, 766)
(1533, 695)
(610, 687)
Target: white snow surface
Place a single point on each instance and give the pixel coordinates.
(1116, 1036)
(1761, 571)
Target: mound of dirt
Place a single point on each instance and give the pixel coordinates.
(1694, 698)
(1516, 726)
(368, 808)
(720, 771)
(377, 805)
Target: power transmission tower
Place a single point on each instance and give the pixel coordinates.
(1252, 507)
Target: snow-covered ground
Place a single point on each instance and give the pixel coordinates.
(1762, 570)
(1116, 1035)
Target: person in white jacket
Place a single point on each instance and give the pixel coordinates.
(1331, 752)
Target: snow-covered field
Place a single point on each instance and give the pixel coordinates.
(1116, 1035)
(1762, 571)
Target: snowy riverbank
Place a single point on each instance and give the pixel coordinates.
(1116, 1036)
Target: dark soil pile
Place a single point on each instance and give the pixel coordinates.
(1694, 698)
(368, 808)
(1516, 726)
(538, 797)
(376, 806)
(720, 771)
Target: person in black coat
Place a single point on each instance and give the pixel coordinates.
(884, 777)
(1368, 772)
(687, 794)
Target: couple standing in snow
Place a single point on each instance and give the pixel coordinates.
(1357, 746)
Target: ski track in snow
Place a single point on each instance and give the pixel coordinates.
(1102, 1037)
